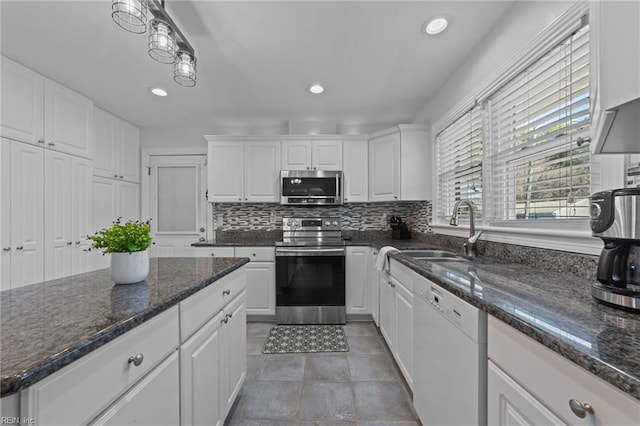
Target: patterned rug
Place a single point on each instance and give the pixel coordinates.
(284, 339)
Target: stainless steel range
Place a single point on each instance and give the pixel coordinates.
(310, 275)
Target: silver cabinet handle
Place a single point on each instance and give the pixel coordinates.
(136, 360)
(226, 292)
(69, 243)
(395, 197)
(6, 248)
(579, 409)
(229, 315)
(115, 176)
(239, 199)
(41, 141)
(51, 143)
(121, 177)
(77, 242)
(86, 249)
(392, 284)
(225, 320)
(19, 247)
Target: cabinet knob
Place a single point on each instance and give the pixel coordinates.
(77, 242)
(41, 141)
(395, 197)
(246, 199)
(121, 177)
(19, 248)
(69, 243)
(225, 320)
(136, 360)
(201, 239)
(51, 143)
(229, 315)
(307, 167)
(253, 254)
(6, 248)
(579, 409)
(239, 199)
(86, 249)
(375, 253)
(213, 254)
(226, 292)
(392, 284)
(115, 176)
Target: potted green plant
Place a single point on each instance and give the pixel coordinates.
(128, 243)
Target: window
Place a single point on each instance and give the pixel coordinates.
(539, 167)
(460, 164)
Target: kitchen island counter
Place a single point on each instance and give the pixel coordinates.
(46, 326)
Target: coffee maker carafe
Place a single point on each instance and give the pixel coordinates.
(615, 218)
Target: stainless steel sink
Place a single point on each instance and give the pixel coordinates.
(429, 254)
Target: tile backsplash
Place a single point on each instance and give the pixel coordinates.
(354, 216)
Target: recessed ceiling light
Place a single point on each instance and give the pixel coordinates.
(316, 89)
(435, 25)
(159, 92)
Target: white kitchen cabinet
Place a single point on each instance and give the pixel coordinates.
(116, 147)
(355, 155)
(261, 280)
(400, 164)
(22, 214)
(374, 280)
(312, 154)
(22, 103)
(357, 285)
(528, 381)
(387, 309)
(241, 171)
(153, 401)
(214, 358)
(68, 121)
(82, 208)
(112, 199)
(91, 383)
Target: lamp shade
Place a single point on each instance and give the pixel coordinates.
(162, 41)
(184, 70)
(130, 15)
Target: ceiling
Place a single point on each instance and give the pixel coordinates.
(256, 60)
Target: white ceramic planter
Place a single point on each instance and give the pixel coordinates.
(129, 268)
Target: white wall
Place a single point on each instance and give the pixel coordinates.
(520, 25)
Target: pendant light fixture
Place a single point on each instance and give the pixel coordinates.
(184, 70)
(167, 44)
(130, 15)
(162, 41)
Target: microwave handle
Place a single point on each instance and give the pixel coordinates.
(339, 185)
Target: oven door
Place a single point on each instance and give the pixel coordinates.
(310, 285)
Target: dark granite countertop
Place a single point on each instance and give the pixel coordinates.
(46, 326)
(555, 309)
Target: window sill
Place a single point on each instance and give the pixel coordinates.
(571, 241)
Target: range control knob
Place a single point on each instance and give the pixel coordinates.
(334, 223)
(327, 223)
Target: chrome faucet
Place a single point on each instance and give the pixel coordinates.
(470, 247)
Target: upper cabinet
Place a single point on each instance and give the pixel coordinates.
(312, 155)
(400, 164)
(116, 146)
(38, 111)
(355, 154)
(243, 171)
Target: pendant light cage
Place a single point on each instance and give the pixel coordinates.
(130, 15)
(162, 41)
(184, 71)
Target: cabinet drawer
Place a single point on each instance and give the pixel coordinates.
(554, 380)
(196, 310)
(257, 254)
(78, 392)
(402, 273)
(213, 251)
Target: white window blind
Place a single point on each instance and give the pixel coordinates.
(538, 166)
(460, 164)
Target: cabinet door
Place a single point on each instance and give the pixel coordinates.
(387, 309)
(58, 214)
(68, 123)
(129, 201)
(82, 210)
(106, 140)
(5, 214)
(510, 405)
(384, 168)
(404, 331)
(22, 103)
(226, 171)
(374, 278)
(356, 280)
(296, 155)
(153, 401)
(129, 153)
(105, 211)
(234, 366)
(262, 171)
(200, 376)
(27, 214)
(355, 171)
(261, 288)
(326, 155)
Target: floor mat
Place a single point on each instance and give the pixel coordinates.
(284, 339)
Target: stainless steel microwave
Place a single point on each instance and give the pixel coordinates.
(308, 187)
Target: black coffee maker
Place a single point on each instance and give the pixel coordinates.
(615, 217)
(399, 229)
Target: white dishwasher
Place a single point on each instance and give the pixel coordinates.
(450, 358)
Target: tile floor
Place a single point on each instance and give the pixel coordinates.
(362, 387)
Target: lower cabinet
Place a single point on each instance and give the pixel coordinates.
(374, 278)
(529, 383)
(261, 280)
(387, 309)
(357, 286)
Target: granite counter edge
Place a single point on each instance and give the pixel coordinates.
(14, 383)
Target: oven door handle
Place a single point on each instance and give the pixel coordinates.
(310, 252)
